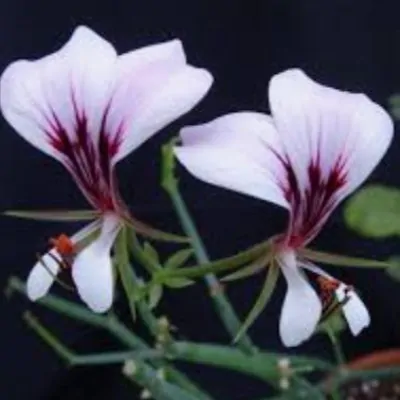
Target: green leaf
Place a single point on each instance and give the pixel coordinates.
(245, 272)
(261, 302)
(341, 261)
(394, 103)
(394, 269)
(374, 212)
(178, 259)
(155, 294)
(178, 283)
(151, 253)
(54, 215)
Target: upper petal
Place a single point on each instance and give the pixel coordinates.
(237, 151)
(154, 86)
(302, 308)
(42, 276)
(92, 269)
(44, 100)
(354, 309)
(332, 139)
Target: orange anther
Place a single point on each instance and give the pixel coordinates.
(328, 284)
(63, 244)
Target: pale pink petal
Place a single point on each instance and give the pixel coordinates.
(154, 87)
(41, 279)
(92, 269)
(44, 97)
(332, 139)
(237, 152)
(354, 309)
(301, 308)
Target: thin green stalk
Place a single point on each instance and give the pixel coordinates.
(336, 345)
(264, 366)
(125, 272)
(222, 304)
(75, 359)
(111, 324)
(143, 375)
(158, 387)
(130, 284)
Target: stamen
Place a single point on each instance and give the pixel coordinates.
(330, 303)
(328, 287)
(63, 244)
(55, 277)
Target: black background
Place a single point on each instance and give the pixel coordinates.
(353, 45)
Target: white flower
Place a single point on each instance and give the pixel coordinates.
(88, 108)
(318, 146)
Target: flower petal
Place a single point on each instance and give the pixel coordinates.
(40, 279)
(237, 152)
(329, 127)
(40, 98)
(302, 308)
(354, 309)
(92, 268)
(154, 87)
(332, 140)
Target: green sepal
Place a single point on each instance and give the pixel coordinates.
(262, 300)
(334, 323)
(54, 215)
(178, 283)
(252, 269)
(394, 268)
(178, 259)
(150, 252)
(218, 266)
(155, 293)
(341, 261)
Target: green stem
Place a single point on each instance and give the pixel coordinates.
(114, 327)
(159, 388)
(130, 282)
(336, 345)
(221, 303)
(75, 359)
(261, 365)
(125, 272)
(143, 375)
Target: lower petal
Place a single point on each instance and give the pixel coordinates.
(354, 309)
(42, 275)
(47, 268)
(92, 269)
(302, 308)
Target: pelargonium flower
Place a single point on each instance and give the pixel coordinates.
(318, 146)
(89, 108)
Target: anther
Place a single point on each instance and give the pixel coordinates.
(63, 244)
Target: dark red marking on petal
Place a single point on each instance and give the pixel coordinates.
(89, 161)
(310, 206)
